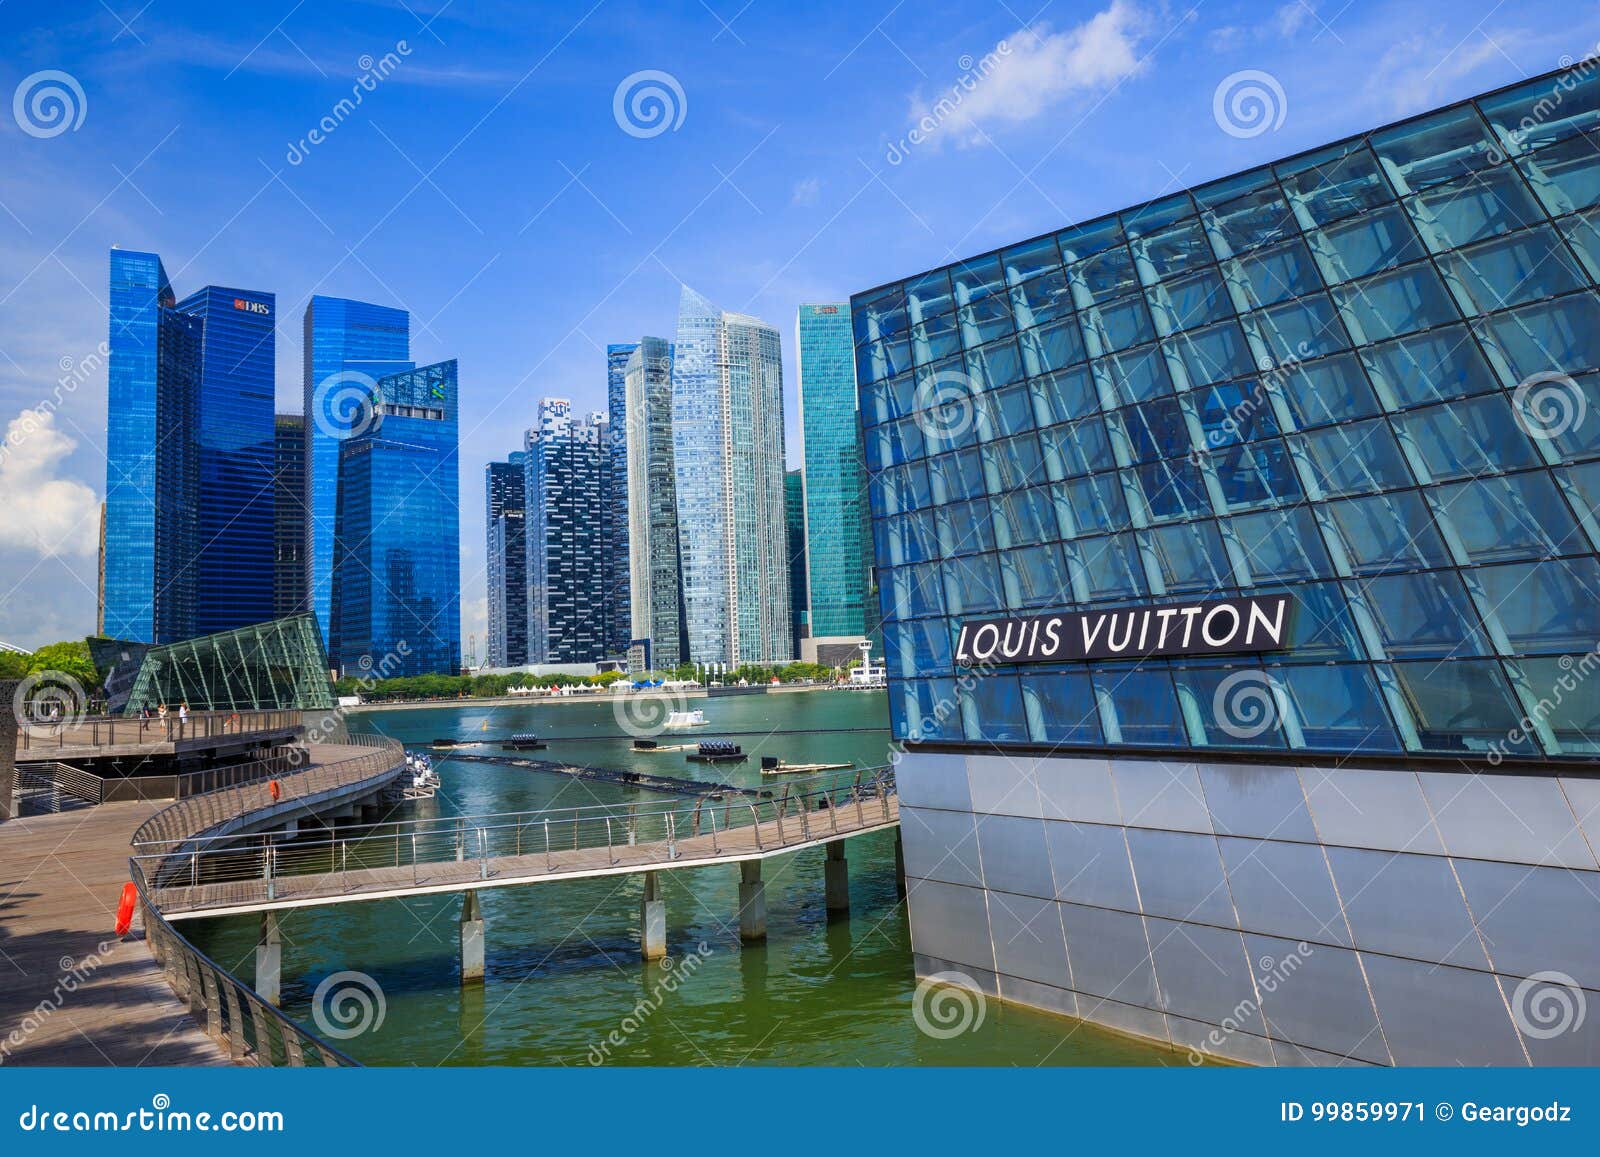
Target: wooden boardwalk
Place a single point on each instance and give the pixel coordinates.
(731, 845)
(62, 1000)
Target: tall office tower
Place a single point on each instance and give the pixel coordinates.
(289, 516)
(396, 594)
(794, 510)
(348, 346)
(655, 583)
(234, 441)
(506, 556)
(619, 626)
(838, 541)
(568, 471)
(727, 441)
(189, 456)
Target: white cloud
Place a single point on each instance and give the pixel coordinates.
(1035, 69)
(806, 191)
(38, 511)
(1294, 16)
(1425, 69)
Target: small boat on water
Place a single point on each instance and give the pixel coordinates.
(450, 743)
(717, 751)
(680, 719)
(523, 742)
(421, 782)
(772, 765)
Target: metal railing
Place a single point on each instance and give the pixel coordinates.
(267, 867)
(54, 787)
(229, 1010)
(130, 730)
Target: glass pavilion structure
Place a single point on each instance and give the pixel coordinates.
(1368, 378)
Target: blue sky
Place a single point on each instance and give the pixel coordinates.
(486, 183)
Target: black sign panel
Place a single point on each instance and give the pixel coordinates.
(1212, 627)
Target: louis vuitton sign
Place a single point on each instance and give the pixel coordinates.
(1212, 627)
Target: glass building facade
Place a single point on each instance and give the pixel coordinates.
(276, 665)
(506, 561)
(838, 555)
(347, 347)
(656, 603)
(567, 466)
(794, 508)
(1365, 376)
(727, 431)
(396, 597)
(619, 628)
(289, 516)
(189, 456)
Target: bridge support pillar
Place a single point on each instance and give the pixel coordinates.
(8, 751)
(899, 866)
(652, 920)
(752, 902)
(471, 939)
(836, 879)
(269, 960)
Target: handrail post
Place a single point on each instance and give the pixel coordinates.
(483, 855)
(549, 864)
(755, 819)
(609, 856)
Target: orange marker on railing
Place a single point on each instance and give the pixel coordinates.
(130, 896)
(276, 791)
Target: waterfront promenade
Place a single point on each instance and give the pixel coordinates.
(64, 1001)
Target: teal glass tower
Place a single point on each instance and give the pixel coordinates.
(396, 594)
(348, 346)
(838, 557)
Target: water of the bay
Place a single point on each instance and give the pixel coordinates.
(564, 977)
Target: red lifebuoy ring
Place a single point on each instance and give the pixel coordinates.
(130, 896)
(275, 790)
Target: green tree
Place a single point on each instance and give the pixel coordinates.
(70, 658)
(13, 665)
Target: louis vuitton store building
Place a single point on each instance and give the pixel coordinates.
(1240, 570)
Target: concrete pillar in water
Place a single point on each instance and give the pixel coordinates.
(652, 920)
(836, 879)
(899, 866)
(269, 960)
(752, 902)
(471, 939)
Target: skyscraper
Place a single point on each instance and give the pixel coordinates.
(568, 473)
(396, 594)
(727, 431)
(617, 578)
(655, 577)
(348, 346)
(289, 517)
(504, 496)
(838, 555)
(189, 456)
(794, 511)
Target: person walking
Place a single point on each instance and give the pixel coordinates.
(183, 719)
(161, 718)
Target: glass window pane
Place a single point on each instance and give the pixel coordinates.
(1338, 709)
(1547, 607)
(1336, 182)
(972, 584)
(930, 294)
(1460, 706)
(1012, 463)
(1118, 326)
(934, 338)
(1234, 412)
(1142, 707)
(1051, 348)
(1282, 544)
(1061, 709)
(914, 591)
(918, 708)
(1110, 566)
(1278, 273)
(881, 315)
(1023, 518)
(1063, 396)
(1255, 475)
(1484, 204)
(984, 320)
(1431, 367)
(1030, 259)
(1518, 516)
(1436, 148)
(1137, 376)
(1357, 458)
(1108, 275)
(1036, 577)
(956, 476)
(1171, 490)
(1076, 448)
(1511, 270)
(1214, 354)
(964, 528)
(1395, 303)
(1568, 697)
(1322, 627)
(1302, 329)
(1366, 244)
(1190, 557)
(1258, 218)
(1175, 249)
(1423, 616)
(1566, 177)
(1388, 532)
(994, 366)
(1582, 232)
(1194, 299)
(991, 709)
(1546, 110)
(1238, 707)
(1154, 430)
(1331, 390)
(1086, 240)
(1468, 438)
(1043, 299)
(1561, 336)
(1091, 504)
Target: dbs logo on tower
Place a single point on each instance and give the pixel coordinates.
(260, 307)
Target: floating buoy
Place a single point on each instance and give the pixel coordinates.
(130, 896)
(275, 790)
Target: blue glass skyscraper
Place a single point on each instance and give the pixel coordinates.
(188, 535)
(348, 346)
(567, 472)
(619, 629)
(396, 594)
